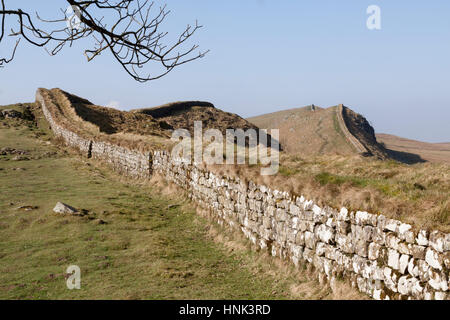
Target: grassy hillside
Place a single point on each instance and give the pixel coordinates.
(315, 132)
(133, 242)
(307, 131)
(183, 115)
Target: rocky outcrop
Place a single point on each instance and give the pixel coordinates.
(382, 257)
(11, 114)
(360, 148)
(63, 208)
(360, 133)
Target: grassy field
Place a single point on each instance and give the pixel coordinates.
(134, 242)
(307, 132)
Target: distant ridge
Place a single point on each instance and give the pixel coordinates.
(320, 131)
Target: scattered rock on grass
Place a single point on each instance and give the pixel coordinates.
(11, 114)
(63, 208)
(27, 208)
(49, 154)
(7, 151)
(20, 158)
(99, 221)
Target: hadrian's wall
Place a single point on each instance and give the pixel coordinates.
(382, 257)
(350, 137)
(130, 162)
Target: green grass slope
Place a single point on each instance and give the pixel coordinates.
(306, 131)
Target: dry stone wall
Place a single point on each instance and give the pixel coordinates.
(350, 137)
(131, 162)
(70, 138)
(382, 257)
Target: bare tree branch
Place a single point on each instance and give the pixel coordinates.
(131, 33)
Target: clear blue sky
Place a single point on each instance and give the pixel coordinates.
(269, 55)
